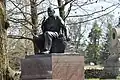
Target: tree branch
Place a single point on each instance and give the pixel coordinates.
(66, 2)
(21, 12)
(94, 12)
(40, 2)
(68, 12)
(18, 37)
(95, 17)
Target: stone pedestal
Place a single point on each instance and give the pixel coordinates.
(68, 67)
(52, 67)
(36, 67)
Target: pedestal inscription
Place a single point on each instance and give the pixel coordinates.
(68, 67)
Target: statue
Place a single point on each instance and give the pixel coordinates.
(52, 40)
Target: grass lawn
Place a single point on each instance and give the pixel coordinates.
(101, 79)
(94, 79)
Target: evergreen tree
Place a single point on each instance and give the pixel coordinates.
(105, 49)
(93, 48)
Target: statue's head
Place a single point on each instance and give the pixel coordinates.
(50, 11)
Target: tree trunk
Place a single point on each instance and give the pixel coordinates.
(34, 19)
(61, 9)
(3, 43)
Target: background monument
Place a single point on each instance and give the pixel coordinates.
(112, 64)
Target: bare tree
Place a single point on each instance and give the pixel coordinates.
(31, 20)
(34, 18)
(3, 43)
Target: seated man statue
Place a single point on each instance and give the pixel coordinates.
(51, 29)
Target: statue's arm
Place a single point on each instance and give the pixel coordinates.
(42, 27)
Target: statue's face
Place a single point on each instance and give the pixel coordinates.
(50, 13)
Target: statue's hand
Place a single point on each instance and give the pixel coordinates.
(44, 18)
(67, 39)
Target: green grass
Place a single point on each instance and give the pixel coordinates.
(94, 79)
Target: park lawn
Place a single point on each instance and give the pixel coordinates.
(94, 79)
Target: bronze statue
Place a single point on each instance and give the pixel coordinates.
(52, 36)
(51, 29)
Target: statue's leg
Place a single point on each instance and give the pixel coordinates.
(48, 36)
(39, 41)
(58, 46)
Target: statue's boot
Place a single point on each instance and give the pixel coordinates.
(45, 52)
